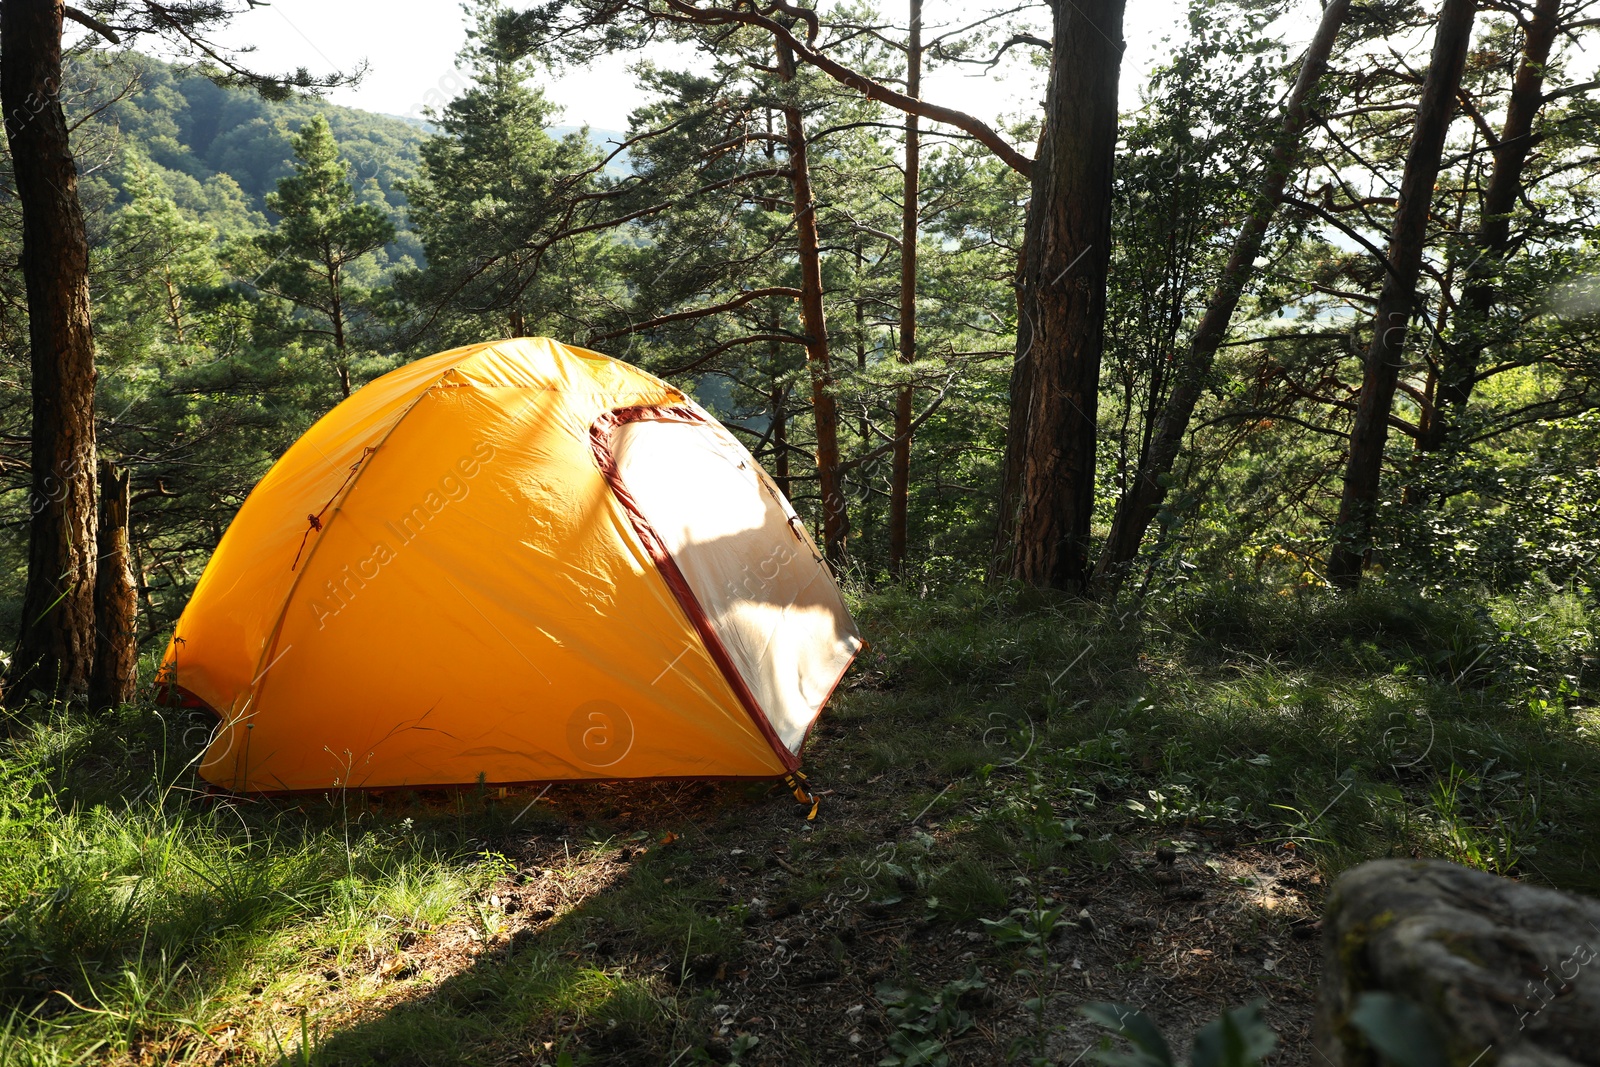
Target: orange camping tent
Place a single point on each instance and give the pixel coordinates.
(512, 562)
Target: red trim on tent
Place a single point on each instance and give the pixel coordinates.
(600, 434)
(173, 695)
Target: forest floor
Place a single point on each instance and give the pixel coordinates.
(1027, 805)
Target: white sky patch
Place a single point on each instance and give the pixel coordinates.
(411, 52)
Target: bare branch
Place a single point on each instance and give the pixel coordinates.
(872, 90)
(85, 19)
(1012, 42)
(697, 313)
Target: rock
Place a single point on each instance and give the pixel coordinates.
(1500, 972)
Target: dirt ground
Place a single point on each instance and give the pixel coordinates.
(1183, 931)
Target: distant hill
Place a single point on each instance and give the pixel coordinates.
(221, 151)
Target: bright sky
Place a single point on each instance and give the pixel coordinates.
(410, 50)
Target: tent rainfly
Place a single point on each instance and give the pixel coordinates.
(512, 562)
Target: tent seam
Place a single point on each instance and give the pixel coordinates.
(338, 507)
(600, 432)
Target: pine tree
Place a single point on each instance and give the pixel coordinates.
(496, 204)
(153, 261)
(322, 234)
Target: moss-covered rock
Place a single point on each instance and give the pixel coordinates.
(1498, 972)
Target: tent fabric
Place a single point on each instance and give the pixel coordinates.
(512, 562)
(749, 562)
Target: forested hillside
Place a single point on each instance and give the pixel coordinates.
(218, 152)
(1213, 472)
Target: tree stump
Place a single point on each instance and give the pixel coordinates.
(1487, 971)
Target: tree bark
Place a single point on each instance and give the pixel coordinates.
(1005, 527)
(825, 413)
(1141, 502)
(336, 302)
(116, 603)
(780, 439)
(55, 646)
(1051, 435)
(1493, 239)
(1397, 300)
(900, 468)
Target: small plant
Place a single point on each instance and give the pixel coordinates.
(1398, 1029)
(302, 1055)
(1239, 1039)
(1033, 928)
(964, 891)
(740, 1045)
(923, 1024)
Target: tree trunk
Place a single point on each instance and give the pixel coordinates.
(1493, 239)
(900, 471)
(780, 440)
(141, 578)
(1141, 502)
(55, 646)
(1398, 298)
(116, 604)
(174, 305)
(336, 301)
(1005, 527)
(1063, 300)
(825, 413)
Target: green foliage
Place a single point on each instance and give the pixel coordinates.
(313, 258)
(137, 899)
(495, 203)
(1239, 1038)
(923, 1024)
(222, 151)
(1329, 722)
(1398, 1029)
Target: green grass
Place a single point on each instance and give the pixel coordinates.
(1356, 727)
(142, 921)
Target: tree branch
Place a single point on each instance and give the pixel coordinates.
(696, 313)
(1012, 42)
(85, 19)
(869, 88)
(1572, 90)
(757, 338)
